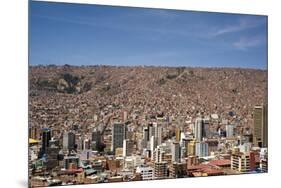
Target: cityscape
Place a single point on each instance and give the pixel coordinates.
(143, 117)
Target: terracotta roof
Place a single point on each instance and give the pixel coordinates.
(223, 162)
(211, 171)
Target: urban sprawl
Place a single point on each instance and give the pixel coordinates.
(121, 136)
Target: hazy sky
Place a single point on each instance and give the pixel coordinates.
(78, 34)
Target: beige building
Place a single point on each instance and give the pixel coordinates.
(260, 126)
(240, 162)
(160, 170)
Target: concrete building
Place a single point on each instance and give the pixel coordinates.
(69, 141)
(199, 129)
(160, 170)
(128, 147)
(191, 148)
(178, 134)
(152, 146)
(229, 131)
(242, 162)
(158, 154)
(96, 139)
(46, 137)
(202, 149)
(118, 136)
(176, 150)
(260, 126)
(146, 172)
(178, 170)
(71, 162)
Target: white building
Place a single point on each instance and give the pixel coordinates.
(198, 129)
(176, 152)
(158, 154)
(229, 130)
(201, 149)
(146, 172)
(128, 147)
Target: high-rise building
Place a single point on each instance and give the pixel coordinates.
(242, 162)
(118, 135)
(202, 149)
(128, 147)
(191, 150)
(52, 153)
(87, 144)
(176, 150)
(96, 139)
(69, 141)
(160, 170)
(260, 126)
(199, 129)
(229, 129)
(46, 137)
(206, 131)
(155, 130)
(178, 170)
(178, 134)
(152, 146)
(33, 132)
(159, 131)
(158, 154)
(151, 130)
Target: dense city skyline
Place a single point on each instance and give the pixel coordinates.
(179, 94)
(77, 34)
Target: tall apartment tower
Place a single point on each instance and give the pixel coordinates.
(128, 147)
(201, 149)
(160, 170)
(118, 136)
(260, 126)
(46, 137)
(158, 154)
(155, 130)
(176, 150)
(96, 139)
(178, 134)
(199, 130)
(68, 141)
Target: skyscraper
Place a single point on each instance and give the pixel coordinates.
(199, 129)
(160, 170)
(128, 147)
(159, 134)
(191, 150)
(176, 152)
(69, 141)
(158, 154)
(118, 135)
(260, 126)
(145, 137)
(46, 137)
(96, 139)
(152, 146)
(156, 131)
(178, 134)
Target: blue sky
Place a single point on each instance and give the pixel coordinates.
(77, 34)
